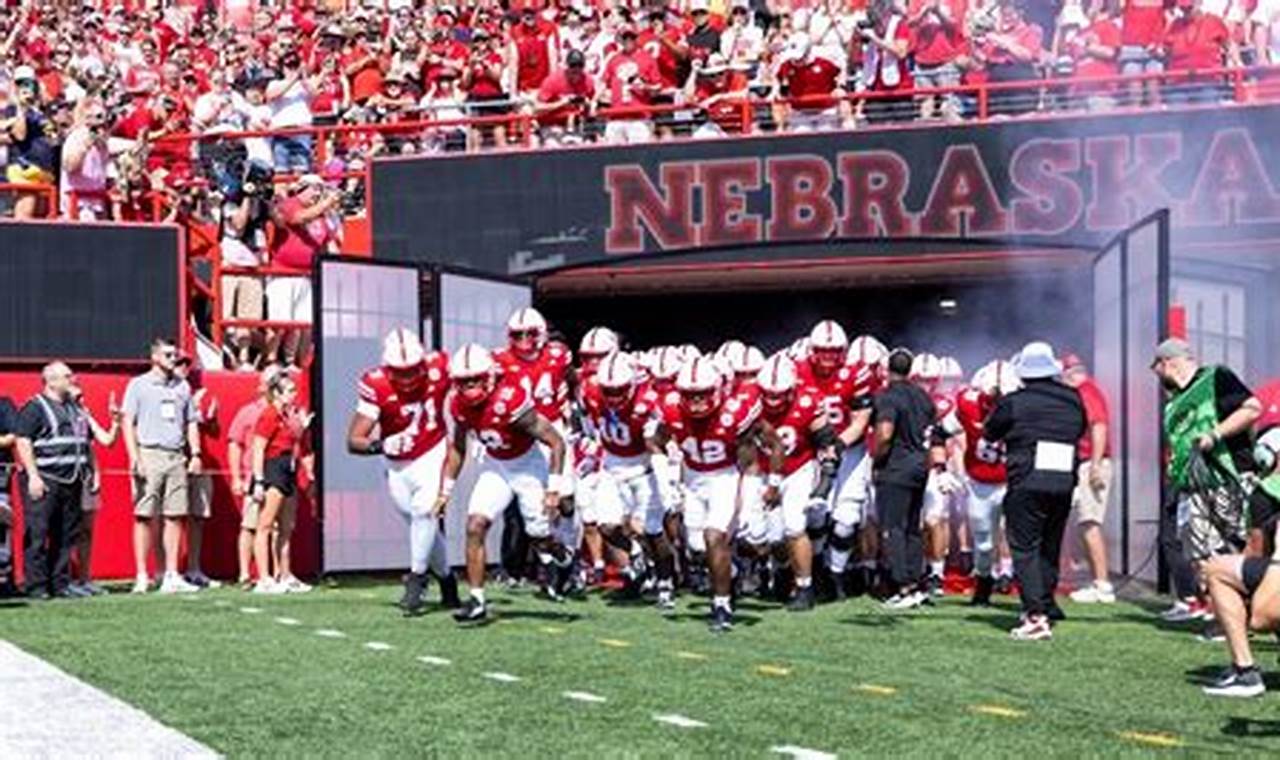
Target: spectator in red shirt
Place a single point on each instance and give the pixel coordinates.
(885, 47)
(276, 437)
(483, 79)
(363, 65)
(632, 80)
(240, 464)
(938, 26)
(810, 84)
(720, 91)
(1090, 48)
(535, 50)
(1093, 488)
(305, 228)
(665, 42)
(1141, 38)
(1011, 53)
(564, 100)
(1195, 40)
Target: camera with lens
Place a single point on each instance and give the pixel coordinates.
(258, 181)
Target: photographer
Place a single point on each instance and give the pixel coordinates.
(719, 92)
(289, 96)
(483, 79)
(85, 159)
(23, 128)
(564, 100)
(1011, 52)
(243, 217)
(303, 231)
(938, 26)
(886, 43)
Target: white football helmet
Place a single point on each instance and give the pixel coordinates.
(749, 362)
(617, 378)
(730, 350)
(926, 368)
(527, 331)
(799, 349)
(866, 351)
(952, 372)
(598, 342)
(996, 377)
(668, 363)
(777, 375)
(471, 361)
(828, 335)
(401, 349)
(689, 352)
(699, 386)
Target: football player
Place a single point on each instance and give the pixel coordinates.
(628, 495)
(746, 368)
(943, 487)
(720, 438)
(598, 343)
(797, 416)
(502, 415)
(846, 399)
(400, 416)
(541, 366)
(984, 466)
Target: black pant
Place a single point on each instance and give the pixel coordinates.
(1036, 520)
(515, 542)
(51, 527)
(899, 508)
(1175, 559)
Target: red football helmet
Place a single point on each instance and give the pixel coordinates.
(472, 371)
(828, 345)
(617, 378)
(527, 332)
(402, 356)
(777, 380)
(699, 385)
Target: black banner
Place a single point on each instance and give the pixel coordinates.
(85, 291)
(1069, 178)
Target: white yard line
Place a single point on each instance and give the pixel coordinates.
(802, 753)
(329, 633)
(37, 701)
(429, 660)
(288, 621)
(502, 677)
(680, 721)
(584, 696)
(378, 646)
(251, 610)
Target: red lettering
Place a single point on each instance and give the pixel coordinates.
(668, 216)
(800, 199)
(1231, 179)
(1054, 202)
(962, 189)
(725, 220)
(1125, 190)
(875, 183)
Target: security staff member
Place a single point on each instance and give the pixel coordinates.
(1040, 426)
(8, 422)
(905, 447)
(53, 449)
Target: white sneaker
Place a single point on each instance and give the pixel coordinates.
(1033, 629)
(141, 585)
(268, 586)
(1097, 593)
(294, 586)
(174, 584)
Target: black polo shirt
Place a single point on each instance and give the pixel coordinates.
(8, 425)
(1040, 426)
(913, 414)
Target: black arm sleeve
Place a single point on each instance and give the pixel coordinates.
(1231, 392)
(1000, 420)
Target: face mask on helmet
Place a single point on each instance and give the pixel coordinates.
(474, 391)
(525, 342)
(1266, 452)
(775, 400)
(700, 403)
(406, 379)
(615, 398)
(826, 359)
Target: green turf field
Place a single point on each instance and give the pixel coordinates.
(250, 676)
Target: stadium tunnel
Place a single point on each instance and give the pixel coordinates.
(971, 299)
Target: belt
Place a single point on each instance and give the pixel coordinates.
(165, 449)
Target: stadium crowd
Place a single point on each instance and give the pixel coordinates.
(100, 99)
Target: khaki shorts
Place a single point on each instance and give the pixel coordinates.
(241, 297)
(200, 496)
(1090, 505)
(161, 487)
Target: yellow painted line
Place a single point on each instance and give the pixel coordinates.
(551, 630)
(1155, 740)
(880, 691)
(615, 643)
(690, 655)
(1000, 711)
(773, 670)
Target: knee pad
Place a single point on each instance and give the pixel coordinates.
(697, 542)
(842, 537)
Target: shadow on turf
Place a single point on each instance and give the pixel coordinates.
(1202, 676)
(739, 620)
(1243, 727)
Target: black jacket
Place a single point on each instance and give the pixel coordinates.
(1041, 426)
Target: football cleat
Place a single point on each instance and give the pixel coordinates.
(933, 586)
(802, 601)
(666, 597)
(474, 611)
(721, 619)
(982, 587)
(449, 592)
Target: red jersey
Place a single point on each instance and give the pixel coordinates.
(494, 420)
(668, 62)
(630, 79)
(808, 81)
(847, 389)
(1142, 23)
(709, 443)
(622, 431)
(281, 431)
(533, 55)
(937, 42)
(421, 411)
(1196, 42)
(793, 425)
(984, 461)
(543, 378)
